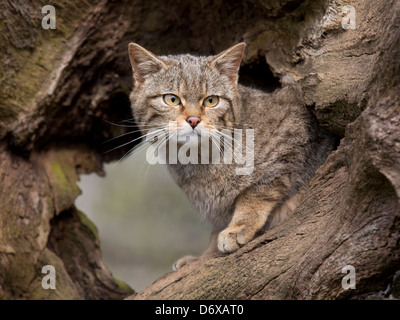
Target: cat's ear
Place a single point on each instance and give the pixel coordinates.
(228, 61)
(143, 62)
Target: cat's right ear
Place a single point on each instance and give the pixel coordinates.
(143, 62)
(228, 61)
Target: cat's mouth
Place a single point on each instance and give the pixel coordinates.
(186, 133)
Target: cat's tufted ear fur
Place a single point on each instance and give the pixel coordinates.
(143, 62)
(228, 61)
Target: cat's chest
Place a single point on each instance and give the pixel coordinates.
(211, 189)
(206, 181)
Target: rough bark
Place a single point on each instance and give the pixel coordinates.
(58, 87)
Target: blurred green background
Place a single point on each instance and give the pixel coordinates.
(145, 222)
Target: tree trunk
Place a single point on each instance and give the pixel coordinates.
(60, 87)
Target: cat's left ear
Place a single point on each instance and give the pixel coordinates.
(228, 61)
(143, 62)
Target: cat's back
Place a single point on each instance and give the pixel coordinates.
(264, 108)
(271, 113)
(287, 136)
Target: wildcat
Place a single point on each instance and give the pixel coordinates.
(199, 93)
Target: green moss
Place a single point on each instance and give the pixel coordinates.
(63, 181)
(88, 223)
(59, 176)
(8, 112)
(123, 286)
(31, 67)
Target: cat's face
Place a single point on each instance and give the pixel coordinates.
(184, 94)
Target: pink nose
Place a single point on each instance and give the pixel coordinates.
(193, 121)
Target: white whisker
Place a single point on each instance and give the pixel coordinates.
(163, 140)
(240, 144)
(129, 142)
(125, 134)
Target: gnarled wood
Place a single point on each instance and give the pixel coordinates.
(59, 86)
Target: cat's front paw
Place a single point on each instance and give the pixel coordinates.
(233, 237)
(182, 261)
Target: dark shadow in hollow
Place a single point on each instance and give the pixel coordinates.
(258, 75)
(124, 132)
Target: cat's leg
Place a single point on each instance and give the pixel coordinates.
(211, 250)
(183, 261)
(251, 212)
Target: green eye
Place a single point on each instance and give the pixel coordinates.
(211, 101)
(171, 99)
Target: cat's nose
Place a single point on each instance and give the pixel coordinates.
(193, 121)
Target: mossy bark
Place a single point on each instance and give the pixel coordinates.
(60, 87)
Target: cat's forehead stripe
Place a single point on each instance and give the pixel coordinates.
(190, 76)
